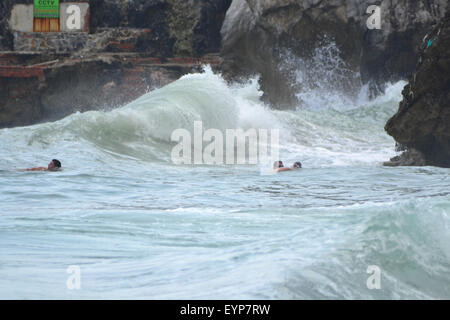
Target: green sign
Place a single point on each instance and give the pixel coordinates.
(46, 8)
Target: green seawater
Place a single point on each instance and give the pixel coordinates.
(139, 226)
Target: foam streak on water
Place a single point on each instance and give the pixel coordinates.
(141, 227)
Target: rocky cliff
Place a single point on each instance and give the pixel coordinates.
(257, 32)
(6, 37)
(422, 123)
(189, 28)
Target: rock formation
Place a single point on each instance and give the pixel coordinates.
(422, 122)
(255, 32)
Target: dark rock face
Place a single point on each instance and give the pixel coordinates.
(190, 28)
(392, 53)
(6, 37)
(207, 37)
(138, 14)
(423, 119)
(256, 31)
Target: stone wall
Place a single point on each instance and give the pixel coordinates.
(83, 43)
(60, 42)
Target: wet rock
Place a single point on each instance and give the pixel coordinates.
(423, 119)
(408, 158)
(399, 147)
(256, 32)
(177, 27)
(6, 37)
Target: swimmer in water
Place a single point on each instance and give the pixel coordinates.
(278, 166)
(297, 165)
(54, 165)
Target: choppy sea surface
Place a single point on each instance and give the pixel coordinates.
(139, 226)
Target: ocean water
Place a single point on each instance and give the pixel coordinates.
(140, 227)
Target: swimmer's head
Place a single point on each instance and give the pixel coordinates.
(297, 165)
(278, 164)
(54, 165)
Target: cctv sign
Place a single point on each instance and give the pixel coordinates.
(46, 9)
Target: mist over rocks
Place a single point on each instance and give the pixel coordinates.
(423, 120)
(255, 32)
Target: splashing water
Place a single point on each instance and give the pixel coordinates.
(139, 226)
